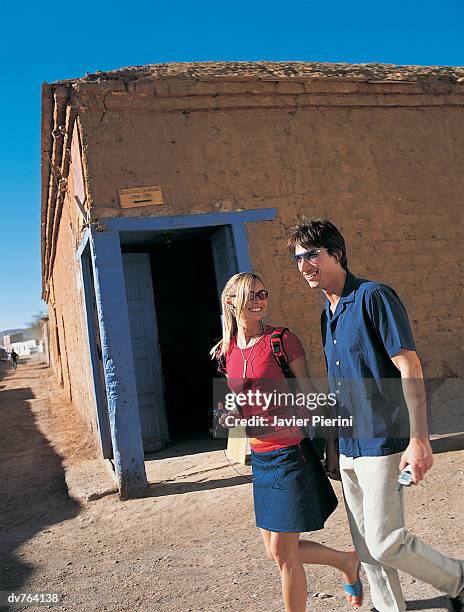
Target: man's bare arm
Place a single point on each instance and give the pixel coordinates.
(419, 452)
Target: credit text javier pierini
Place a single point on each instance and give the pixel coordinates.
(293, 421)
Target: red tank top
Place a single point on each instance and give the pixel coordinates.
(262, 373)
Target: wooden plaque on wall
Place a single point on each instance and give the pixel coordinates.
(140, 196)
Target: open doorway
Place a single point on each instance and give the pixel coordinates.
(187, 269)
(189, 323)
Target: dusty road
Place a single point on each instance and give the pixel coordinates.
(189, 545)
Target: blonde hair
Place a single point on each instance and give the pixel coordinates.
(239, 285)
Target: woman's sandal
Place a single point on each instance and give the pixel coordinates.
(354, 590)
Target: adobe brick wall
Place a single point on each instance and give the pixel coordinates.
(387, 175)
(66, 311)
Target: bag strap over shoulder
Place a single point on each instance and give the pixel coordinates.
(277, 348)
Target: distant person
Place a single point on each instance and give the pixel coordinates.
(14, 359)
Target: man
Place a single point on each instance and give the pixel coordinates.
(369, 347)
(14, 359)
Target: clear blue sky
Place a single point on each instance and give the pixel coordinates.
(47, 41)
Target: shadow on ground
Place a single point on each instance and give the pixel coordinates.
(188, 446)
(448, 443)
(32, 487)
(436, 603)
(176, 488)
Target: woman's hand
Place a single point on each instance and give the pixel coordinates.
(223, 414)
(332, 466)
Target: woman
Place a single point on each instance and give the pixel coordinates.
(291, 491)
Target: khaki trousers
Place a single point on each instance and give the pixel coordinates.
(376, 517)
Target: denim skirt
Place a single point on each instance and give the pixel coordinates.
(291, 490)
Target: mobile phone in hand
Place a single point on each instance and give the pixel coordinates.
(405, 477)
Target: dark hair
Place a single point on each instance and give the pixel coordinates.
(318, 232)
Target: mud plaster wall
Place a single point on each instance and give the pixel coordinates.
(388, 177)
(73, 364)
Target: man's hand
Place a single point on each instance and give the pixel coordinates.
(332, 466)
(419, 456)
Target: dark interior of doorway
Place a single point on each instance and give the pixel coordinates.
(189, 323)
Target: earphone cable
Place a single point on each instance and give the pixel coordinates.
(235, 469)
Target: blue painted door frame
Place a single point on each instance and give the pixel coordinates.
(113, 320)
(121, 392)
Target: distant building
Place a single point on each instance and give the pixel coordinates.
(159, 182)
(24, 347)
(10, 339)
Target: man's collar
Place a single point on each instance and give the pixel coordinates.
(352, 282)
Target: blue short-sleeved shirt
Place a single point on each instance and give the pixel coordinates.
(369, 326)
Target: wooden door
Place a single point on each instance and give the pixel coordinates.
(145, 350)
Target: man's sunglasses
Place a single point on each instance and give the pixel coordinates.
(307, 256)
(261, 295)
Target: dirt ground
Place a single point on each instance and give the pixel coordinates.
(189, 545)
